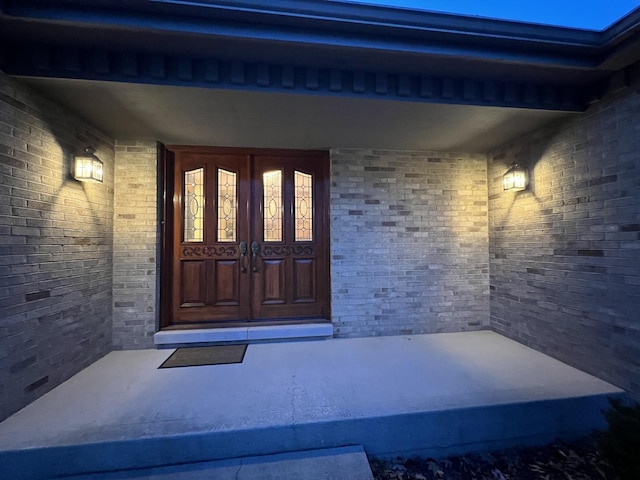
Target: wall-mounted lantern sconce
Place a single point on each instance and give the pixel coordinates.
(87, 167)
(516, 178)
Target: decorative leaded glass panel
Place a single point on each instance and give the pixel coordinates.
(272, 206)
(227, 206)
(303, 201)
(194, 205)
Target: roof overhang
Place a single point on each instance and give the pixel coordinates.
(318, 48)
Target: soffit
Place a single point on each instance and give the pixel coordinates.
(196, 116)
(493, 58)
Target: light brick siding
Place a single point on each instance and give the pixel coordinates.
(55, 248)
(565, 255)
(135, 238)
(409, 242)
(414, 236)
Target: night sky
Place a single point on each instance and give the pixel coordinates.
(588, 14)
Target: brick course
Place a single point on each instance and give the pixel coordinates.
(565, 254)
(135, 262)
(55, 248)
(409, 242)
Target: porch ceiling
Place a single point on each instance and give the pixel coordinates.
(202, 116)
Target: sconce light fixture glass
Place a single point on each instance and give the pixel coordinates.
(516, 178)
(88, 167)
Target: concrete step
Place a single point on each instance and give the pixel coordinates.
(433, 433)
(429, 395)
(326, 464)
(249, 334)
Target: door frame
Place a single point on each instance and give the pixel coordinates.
(166, 182)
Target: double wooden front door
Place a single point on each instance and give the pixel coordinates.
(246, 235)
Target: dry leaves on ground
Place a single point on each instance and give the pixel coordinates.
(577, 460)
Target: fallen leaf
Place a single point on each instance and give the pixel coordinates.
(497, 474)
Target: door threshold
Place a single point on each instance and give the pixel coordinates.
(244, 323)
(245, 334)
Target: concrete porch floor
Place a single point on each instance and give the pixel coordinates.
(421, 394)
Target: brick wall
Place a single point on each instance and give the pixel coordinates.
(409, 242)
(55, 248)
(565, 255)
(135, 261)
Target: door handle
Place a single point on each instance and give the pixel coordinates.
(255, 249)
(243, 256)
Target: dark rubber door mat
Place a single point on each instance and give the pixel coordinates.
(196, 356)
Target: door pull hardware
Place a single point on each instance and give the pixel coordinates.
(243, 256)
(255, 248)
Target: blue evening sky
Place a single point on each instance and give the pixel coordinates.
(587, 14)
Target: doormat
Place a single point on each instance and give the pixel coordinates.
(196, 356)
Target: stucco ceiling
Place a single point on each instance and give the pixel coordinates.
(182, 115)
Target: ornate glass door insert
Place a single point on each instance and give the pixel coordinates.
(272, 206)
(303, 201)
(227, 205)
(194, 205)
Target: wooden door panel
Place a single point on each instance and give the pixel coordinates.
(211, 239)
(301, 246)
(226, 278)
(272, 282)
(193, 292)
(304, 280)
